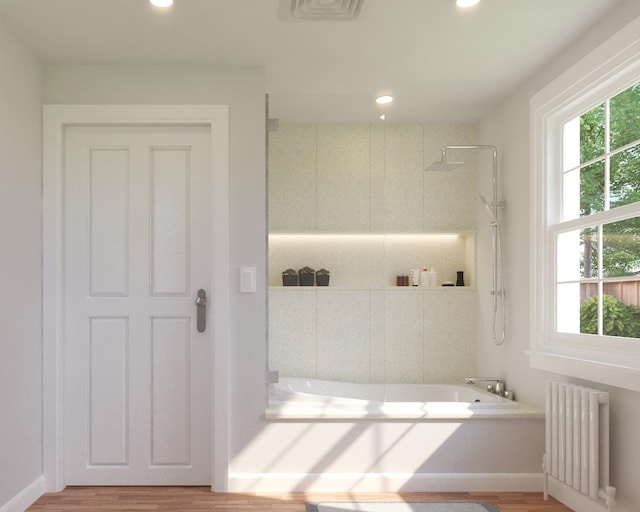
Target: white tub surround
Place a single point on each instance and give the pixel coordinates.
(391, 454)
(354, 199)
(398, 334)
(299, 398)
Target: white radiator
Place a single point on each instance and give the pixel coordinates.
(577, 440)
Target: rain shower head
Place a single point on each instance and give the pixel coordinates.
(443, 165)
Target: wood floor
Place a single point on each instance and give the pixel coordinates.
(197, 499)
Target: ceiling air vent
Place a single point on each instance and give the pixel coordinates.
(323, 10)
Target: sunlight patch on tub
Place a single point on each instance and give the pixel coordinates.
(300, 398)
(314, 442)
(316, 450)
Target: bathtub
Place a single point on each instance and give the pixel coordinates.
(302, 398)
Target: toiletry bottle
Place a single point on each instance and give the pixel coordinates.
(433, 278)
(425, 281)
(415, 276)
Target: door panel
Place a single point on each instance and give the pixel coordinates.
(137, 245)
(109, 217)
(170, 391)
(169, 221)
(108, 392)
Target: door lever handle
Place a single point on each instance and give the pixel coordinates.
(201, 310)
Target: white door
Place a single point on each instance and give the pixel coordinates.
(137, 248)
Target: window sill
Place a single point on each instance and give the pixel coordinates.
(625, 377)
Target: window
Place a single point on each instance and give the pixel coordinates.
(597, 243)
(586, 218)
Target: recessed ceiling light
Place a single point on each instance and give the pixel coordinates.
(466, 3)
(383, 117)
(162, 3)
(384, 99)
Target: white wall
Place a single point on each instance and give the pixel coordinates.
(21, 86)
(508, 127)
(260, 451)
(257, 445)
(243, 90)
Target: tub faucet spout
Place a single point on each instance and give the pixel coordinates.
(498, 388)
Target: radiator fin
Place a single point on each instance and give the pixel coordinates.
(577, 439)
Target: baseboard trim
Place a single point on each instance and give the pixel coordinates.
(385, 482)
(26, 497)
(573, 499)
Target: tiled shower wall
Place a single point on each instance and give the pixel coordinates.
(355, 199)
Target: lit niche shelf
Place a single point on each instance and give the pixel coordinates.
(371, 261)
(400, 289)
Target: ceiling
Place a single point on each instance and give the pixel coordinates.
(440, 63)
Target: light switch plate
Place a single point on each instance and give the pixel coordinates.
(247, 279)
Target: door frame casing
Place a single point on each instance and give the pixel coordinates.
(55, 120)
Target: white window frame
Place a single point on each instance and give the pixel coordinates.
(611, 68)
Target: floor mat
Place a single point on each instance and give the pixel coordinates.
(421, 506)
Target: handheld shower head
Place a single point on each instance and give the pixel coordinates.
(443, 165)
(494, 220)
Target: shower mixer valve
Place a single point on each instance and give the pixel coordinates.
(498, 388)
